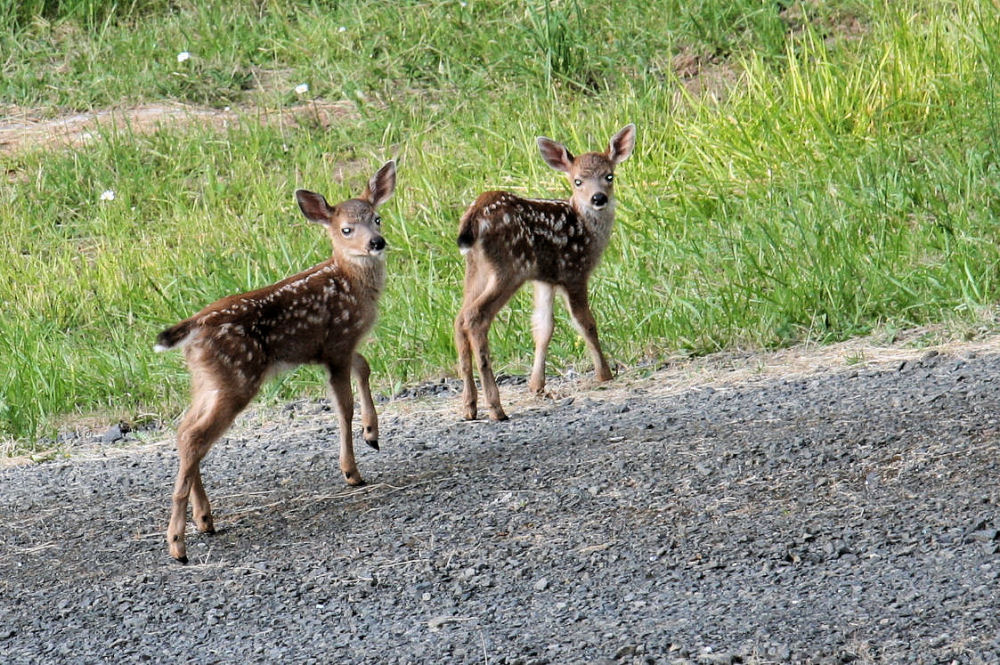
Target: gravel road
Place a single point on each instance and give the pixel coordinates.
(828, 506)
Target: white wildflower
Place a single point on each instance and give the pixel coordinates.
(342, 28)
(108, 195)
(182, 56)
(301, 88)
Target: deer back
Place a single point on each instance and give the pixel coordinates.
(544, 239)
(317, 316)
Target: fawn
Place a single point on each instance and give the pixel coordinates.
(508, 240)
(318, 316)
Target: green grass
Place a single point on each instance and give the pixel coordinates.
(844, 178)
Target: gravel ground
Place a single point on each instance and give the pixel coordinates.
(828, 506)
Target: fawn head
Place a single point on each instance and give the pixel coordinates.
(591, 175)
(354, 225)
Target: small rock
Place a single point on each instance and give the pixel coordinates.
(437, 622)
(116, 432)
(985, 535)
(625, 651)
(721, 658)
(541, 585)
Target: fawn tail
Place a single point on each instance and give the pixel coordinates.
(174, 336)
(467, 230)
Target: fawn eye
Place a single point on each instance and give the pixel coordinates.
(609, 177)
(577, 182)
(346, 230)
(378, 221)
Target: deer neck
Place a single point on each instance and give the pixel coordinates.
(597, 222)
(366, 273)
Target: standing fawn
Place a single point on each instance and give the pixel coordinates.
(508, 240)
(318, 316)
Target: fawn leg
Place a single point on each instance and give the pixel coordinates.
(583, 320)
(201, 509)
(541, 330)
(478, 317)
(212, 412)
(340, 386)
(369, 419)
(474, 285)
(465, 367)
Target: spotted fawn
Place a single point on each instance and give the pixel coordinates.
(318, 316)
(508, 240)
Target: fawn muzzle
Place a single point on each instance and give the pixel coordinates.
(376, 244)
(599, 200)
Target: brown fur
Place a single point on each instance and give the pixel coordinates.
(318, 316)
(508, 240)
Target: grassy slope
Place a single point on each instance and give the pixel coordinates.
(848, 179)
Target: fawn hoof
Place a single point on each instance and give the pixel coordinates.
(498, 415)
(177, 549)
(182, 560)
(205, 524)
(469, 413)
(373, 443)
(354, 478)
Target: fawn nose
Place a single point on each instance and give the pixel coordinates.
(599, 200)
(377, 244)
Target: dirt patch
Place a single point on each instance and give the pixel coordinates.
(23, 129)
(843, 25)
(705, 76)
(712, 76)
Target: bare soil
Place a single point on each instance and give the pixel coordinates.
(25, 129)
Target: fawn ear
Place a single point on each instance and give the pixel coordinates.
(314, 206)
(622, 144)
(555, 154)
(381, 185)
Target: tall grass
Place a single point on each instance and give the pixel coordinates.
(844, 179)
(562, 38)
(20, 15)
